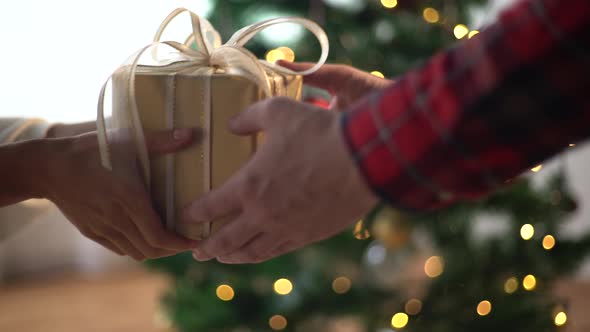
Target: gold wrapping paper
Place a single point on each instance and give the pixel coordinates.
(160, 95)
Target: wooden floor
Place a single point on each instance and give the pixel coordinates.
(114, 303)
(576, 296)
(128, 302)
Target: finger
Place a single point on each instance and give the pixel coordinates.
(149, 224)
(334, 103)
(229, 238)
(258, 250)
(260, 115)
(281, 250)
(93, 236)
(329, 77)
(169, 141)
(220, 202)
(108, 244)
(122, 243)
(132, 233)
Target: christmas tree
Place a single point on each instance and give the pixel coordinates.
(482, 266)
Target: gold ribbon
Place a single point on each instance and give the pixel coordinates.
(209, 57)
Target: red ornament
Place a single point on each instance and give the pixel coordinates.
(320, 102)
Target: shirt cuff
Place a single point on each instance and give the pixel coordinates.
(373, 148)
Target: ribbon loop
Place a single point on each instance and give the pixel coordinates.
(244, 35)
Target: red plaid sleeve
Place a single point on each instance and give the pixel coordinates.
(480, 113)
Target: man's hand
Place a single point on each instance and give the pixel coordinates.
(112, 209)
(345, 83)
(300, 187)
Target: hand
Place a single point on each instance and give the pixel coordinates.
(345, 83)
(113, 210)
(300, 187)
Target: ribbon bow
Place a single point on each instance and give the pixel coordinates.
(209, 57)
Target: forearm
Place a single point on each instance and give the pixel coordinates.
(26, 164)
(21, 170)
(480, 113)
(26, 155)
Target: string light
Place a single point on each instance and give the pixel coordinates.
(511, 285)
(537, 168)
(399, 320)
(389, 3)
(431, 15)
(472, 33)
(288, 53)
(274, 55)
(225, 293)
(548, 242)
(281, 53)
(529, 282)
(360, 233)
(378, 74)
(434, 266)
(283, 286)
(484, 308)
(341, 285)
(460, 31)
(560, 319)
(413, 307)
(277, 322)
(527, 231)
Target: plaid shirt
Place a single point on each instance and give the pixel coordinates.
(480, 113)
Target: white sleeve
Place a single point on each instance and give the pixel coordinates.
(18, 129)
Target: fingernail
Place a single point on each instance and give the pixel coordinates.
(181, 134)
(200, 257)
(225, 260)
(196, 256)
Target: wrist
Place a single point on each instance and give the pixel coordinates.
(63, 158)
(65, 130)
(365, 197)
(50, 165)
(24, 168)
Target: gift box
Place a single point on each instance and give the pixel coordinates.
(193, 173)
(201, 84)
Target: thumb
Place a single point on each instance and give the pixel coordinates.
(168, 141)
(332, 78)
(255, 118)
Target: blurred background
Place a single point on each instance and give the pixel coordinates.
(513, 262)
